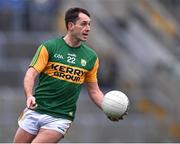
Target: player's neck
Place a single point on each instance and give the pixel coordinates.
(71, 41)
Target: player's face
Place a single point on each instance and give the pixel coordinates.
(81, 28)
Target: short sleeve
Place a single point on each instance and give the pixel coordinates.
(91, 76)
(40, 59)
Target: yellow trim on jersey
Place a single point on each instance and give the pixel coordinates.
(91, 76)
(40, 59)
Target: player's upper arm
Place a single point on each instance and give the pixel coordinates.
(40, 59)
(91, 76)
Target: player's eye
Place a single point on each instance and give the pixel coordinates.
(85, 24)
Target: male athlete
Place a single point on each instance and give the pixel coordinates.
(63, 65)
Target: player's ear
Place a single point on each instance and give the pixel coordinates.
(70, 26)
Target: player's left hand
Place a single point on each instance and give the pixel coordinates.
(117, 118)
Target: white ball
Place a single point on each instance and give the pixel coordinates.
(115, 103)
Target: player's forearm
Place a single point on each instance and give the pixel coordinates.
(28, 86)
(29, 81)
(97, 97)
(95, 93)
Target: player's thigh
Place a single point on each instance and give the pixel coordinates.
(48, 136)
(22, 136)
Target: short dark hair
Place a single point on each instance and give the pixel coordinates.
(72, 14)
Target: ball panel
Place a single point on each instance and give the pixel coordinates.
(113, 107)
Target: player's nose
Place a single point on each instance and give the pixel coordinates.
(88, 28)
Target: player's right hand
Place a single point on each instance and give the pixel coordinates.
(31, 102)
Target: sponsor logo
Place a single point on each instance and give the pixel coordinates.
(66, 72)
(61, 129)
(72, 55)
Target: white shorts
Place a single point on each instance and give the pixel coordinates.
(32, 121)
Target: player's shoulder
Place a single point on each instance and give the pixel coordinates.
(51, 42)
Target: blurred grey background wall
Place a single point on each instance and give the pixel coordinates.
(138, 43)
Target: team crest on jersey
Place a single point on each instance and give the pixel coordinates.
(83, 62)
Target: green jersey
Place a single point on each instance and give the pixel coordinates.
(63, 70)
